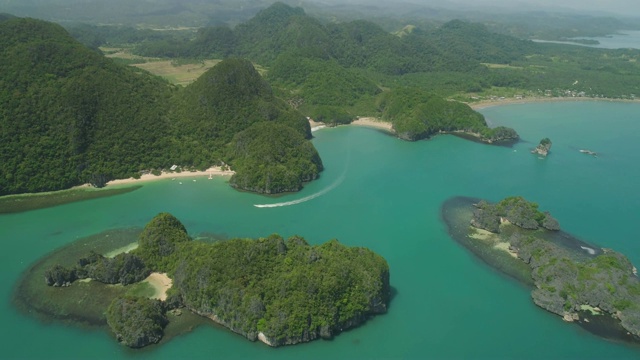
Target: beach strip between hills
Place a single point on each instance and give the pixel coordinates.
(210, 172)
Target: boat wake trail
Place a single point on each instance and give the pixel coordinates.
(334, 185)
(306, 198)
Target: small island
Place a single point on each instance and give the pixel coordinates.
(543, 147)
(278, 291)
(597, 288)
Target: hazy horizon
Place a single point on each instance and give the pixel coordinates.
(625, 8)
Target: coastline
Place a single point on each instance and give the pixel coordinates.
(213, 171)
(483, 104)
(374, 123)
(387, 126)
(369, 122)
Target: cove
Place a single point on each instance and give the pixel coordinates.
(447, 303)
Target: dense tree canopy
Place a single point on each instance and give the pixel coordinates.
(286, 289)
(70, 116)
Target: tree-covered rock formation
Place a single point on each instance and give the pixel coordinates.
(543, 147)
(136, 321)
(516, 210)
(282, 291)
(272, 158)
(270, 289)
(416, 114)
(159, 239)
(571, 278)
(122, 269)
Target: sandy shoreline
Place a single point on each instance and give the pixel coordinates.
(374, 123)
(361, 121)
(212, 171)
(161, 283)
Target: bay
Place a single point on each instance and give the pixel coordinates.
(627, 39)
(385, 194)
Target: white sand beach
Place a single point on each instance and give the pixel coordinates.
(161, 283)
(212, 171)
(373, 123)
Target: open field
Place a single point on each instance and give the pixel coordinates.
(183, 74)
(177, 72)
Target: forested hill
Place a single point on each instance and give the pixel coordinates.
(281, 28)
(268, 146)
(333, 72)
(70, 116)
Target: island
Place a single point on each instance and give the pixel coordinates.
(278, 291)
(597, 288)
(543, 147)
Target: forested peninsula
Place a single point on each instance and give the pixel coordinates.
(597, 288)
(278, 291)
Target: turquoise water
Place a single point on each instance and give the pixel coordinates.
(385, 194)
(629, 39)
(623, 40)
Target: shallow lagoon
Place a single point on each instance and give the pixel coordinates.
(385, 194)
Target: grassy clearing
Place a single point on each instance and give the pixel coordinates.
(183, 74)
(179, 72)
(501, 66)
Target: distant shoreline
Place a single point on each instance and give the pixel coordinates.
(376, 123)
(483, 104)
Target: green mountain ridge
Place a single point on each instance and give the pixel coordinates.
(70, 116)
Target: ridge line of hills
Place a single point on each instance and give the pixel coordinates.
(71, 116)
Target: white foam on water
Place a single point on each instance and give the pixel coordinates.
(589, 250)
(306, 198)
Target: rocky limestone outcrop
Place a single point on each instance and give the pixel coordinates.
(566, 278)
(543, 148)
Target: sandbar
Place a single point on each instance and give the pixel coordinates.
(160, 283)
